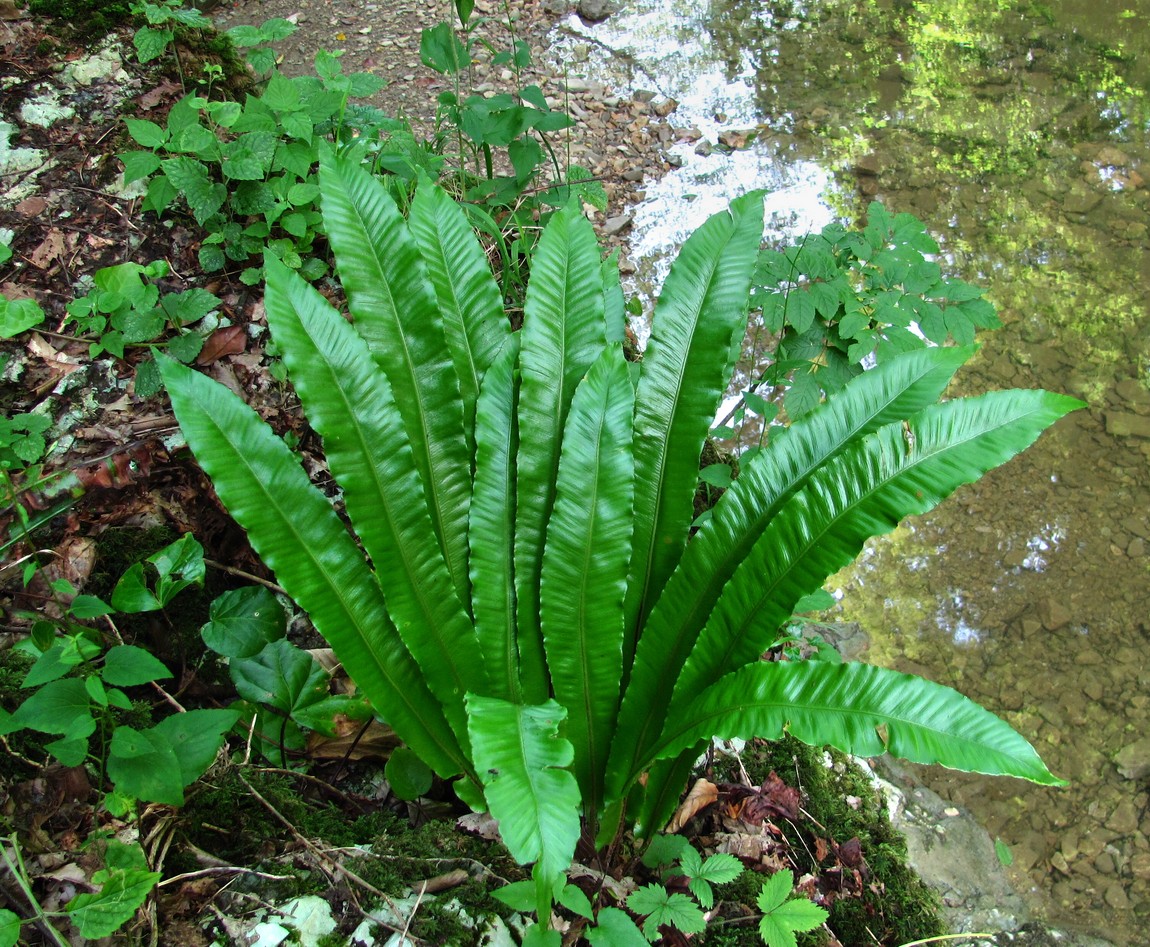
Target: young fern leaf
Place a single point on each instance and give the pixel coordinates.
(294, 529)
(535, 799)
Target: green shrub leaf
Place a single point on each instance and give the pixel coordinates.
(127, 665)
(408, 776)
(143, 764)
(195, 737)
(242, 621)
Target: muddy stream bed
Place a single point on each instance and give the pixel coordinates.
(1018, 133)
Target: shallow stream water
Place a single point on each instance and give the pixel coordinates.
(1018, 133)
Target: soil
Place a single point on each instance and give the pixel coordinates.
(114, 469)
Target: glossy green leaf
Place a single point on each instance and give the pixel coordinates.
(890, 392)
(393, 309)
(563, 332)
(350, 403)
(474, 322)
(126, 665)
(9, 928)
(614, 928)
(522, 759)
(699, 319)
(584, 569)
(296, 532)
(865, 491)
(54, 707)
(122, 892)
(241, 621)
(491, 531)
(408, 776)
(844, 705)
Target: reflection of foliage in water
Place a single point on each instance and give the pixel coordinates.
(982, 86)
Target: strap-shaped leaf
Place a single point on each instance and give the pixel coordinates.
(844, 705)
(893, 473)
(349, 402)
(585, 566)
(893, 390)
(294, 529)
(699, 319)
(521, 757)
(492, 529)
(391, 302)
(563, 333)
(473, 318)
(614, 306)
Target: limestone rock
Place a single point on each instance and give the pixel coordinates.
(596, 11)
(1134, 760)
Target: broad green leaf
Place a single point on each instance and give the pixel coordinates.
(121, 894)
(281, 676)
(700, 316)
(394, 310)
(718, 869)
(665, 849)
(9, 928)
(150, 43)
(614, 928)
(584, 569)
(441, 50)
(126, 665)
(297, 533)
(522, 759)
(143, 764)
(519, 896)
(242, 621)
(491, 530)
(407, 774)
(474, 322)
(18, 315)
(663, 907)
(195, 738)
(350, 403)
(55, 707)
(563, 332)
(845, 705)
(52, 665)
(575, 901)
(890, 392)
(146, 133)
(89, 606)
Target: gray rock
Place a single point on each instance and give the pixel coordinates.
(595, 11)
(1121, 424)
(613, 226)
(1134, 760)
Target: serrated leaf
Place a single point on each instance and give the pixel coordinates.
(146, 133)
(664, 908)
(150, 43)
(104, 912)
(184, 348)
(665, 849)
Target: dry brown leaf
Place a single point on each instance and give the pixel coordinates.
(51, 248)
(479, 823)
(702, 794)
(230, 340)
(377, 742)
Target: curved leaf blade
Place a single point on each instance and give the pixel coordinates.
(349, 402)
(699, 319)
(844, 705)
(891, 474)
(390, 299)
(474, 322)
(535, 799)
(893, 390)
(584, 570)
(564, 330)
(295, 531)
(491, 530)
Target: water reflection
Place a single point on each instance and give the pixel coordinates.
(1018, 132)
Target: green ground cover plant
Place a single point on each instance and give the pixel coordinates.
(536, 623)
